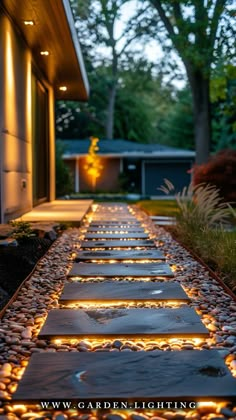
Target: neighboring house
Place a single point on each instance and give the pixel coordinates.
(40, 61)
(136, 167)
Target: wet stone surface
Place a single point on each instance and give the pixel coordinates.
(122, 291)
(120, 255)
(121, 270)
(115, 376)
(116, 235)
(163, 322)
(40, 293)
(118, 244)
(111, 229)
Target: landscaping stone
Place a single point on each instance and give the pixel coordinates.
(120, 270)
(118, 244)
(163, 322)
(6, 230)
(122, 291)
(112, 229)
(116, 236)
(139, 376)
(120, 255)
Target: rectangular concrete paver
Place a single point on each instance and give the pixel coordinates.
(121, 270)
(122, 291)
(59, 211)
(118, 244)
(116, 236)
(109, 223)
(161, 322)
(135, 376)
(148, 254)
(116, 230)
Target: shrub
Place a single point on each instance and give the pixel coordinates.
(22, 230)
(200, 227)
(220, 171)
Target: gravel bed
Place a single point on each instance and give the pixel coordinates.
(24, 318)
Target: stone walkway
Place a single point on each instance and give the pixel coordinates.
(120, 333)
(71, 211)
(127, 377)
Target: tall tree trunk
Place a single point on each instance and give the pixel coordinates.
(111, 112)
(200, 86)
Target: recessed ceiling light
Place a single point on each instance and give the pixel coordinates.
(44, 52)
(29, 22)
(63, 88)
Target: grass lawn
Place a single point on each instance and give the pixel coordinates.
(215, 246)
(159, 207)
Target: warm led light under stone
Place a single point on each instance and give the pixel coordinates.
(99, 278)
(123, 304)
(124, 261)
(143, 343)
(19, 407)
(127, 248)
(206, 404)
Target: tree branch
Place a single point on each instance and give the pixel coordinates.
(169, 27)
(218, 10)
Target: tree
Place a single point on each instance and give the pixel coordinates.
(223, 98)
(141, 101)
(96, 22)
(198, 30)
(176, 126)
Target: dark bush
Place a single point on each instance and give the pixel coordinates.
(220, 171)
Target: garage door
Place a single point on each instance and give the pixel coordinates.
(155, 172)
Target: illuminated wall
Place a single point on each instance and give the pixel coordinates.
(108, 180)
(16, 125)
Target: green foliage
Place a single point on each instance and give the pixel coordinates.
(176, 128)
(218, 249)
(223, 96)
(200, 227)
(63, 177)
(219, 171)
(141, 99)
(159, 207)
(22, 230)
(200, 208)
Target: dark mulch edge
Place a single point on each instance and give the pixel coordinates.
(17, 263)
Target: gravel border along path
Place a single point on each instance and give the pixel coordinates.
(23, 319)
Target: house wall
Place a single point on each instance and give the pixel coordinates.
(71, 164)
(155, 171)
(16, 124)
(108, 180)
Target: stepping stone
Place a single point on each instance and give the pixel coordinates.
(120, 255)
(113, 223)
(116, 236)
(165, 223)
(104, 323)
(122, 219)
(122, 291)
(164, 218)
(123, 376)
(6, 231)
(120, 270)
(117, 244)
(116, 229)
